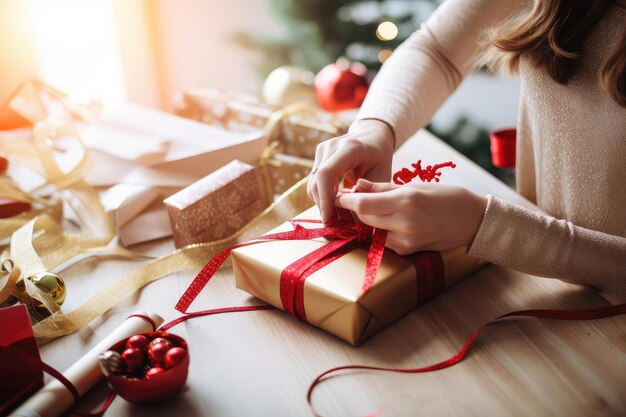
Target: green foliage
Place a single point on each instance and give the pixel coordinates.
(317, 32)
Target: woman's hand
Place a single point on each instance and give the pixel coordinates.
(364, 152)
(418, 216)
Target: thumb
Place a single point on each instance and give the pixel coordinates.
(365, 186)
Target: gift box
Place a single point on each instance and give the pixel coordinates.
(333, 295)
(154, 148)
(280, 171)
(20, 373)
(216, 206)
(298, 128)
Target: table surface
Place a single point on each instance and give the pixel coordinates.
(261, 363)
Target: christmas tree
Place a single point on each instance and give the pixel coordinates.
(318, 32)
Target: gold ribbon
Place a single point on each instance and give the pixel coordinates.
(40, 231)
(39, 243)
(294, 201)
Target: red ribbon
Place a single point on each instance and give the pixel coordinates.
(586, 314)
(343, 230)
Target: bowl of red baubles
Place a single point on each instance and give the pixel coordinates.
(147, 367)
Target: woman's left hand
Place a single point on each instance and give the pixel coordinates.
(418, 216)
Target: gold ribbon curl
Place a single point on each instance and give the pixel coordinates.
(292, 202)
(38, 241)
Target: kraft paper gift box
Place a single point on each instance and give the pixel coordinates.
(300, 130)
(333, 299)
(19, 376)
(216, 206)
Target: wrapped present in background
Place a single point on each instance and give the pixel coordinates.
(299, 128)
(216, 206)
(20, 373)
(280, 171)
(332, 296)
(234, 111)
(135, 155)
(144, 155)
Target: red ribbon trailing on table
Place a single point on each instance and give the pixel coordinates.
(586, 314)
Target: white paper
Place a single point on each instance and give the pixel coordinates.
(149, 225)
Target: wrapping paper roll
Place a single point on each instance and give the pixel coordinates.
(54, 399)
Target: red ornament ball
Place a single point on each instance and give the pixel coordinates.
(174, 356)
(157, 352)
(158, 340)
(133, 358)
(137, 341)
(341, 86)
(152, 372)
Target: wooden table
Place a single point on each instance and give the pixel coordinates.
(261, 363)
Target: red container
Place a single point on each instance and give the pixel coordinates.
(157, 388)
(20, 372)
(503, 143)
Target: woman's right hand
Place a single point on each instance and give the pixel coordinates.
(364, 152)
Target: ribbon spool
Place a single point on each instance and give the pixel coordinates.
(503, 143)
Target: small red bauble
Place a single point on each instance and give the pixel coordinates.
(137, 341)
(174, 356)
(341, 86)
(152, 372)
(157, 352)
(150, 382)
(158, 340)
(133, 358)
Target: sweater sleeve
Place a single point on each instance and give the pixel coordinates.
(538, 244)
(423, 71)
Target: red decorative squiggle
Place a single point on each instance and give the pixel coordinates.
(431, 172)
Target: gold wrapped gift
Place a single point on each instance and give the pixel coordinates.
(300, 128)
(333, 298)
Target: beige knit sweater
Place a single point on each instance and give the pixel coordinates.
(571, 149)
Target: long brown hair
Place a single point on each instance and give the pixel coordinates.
(551, 37)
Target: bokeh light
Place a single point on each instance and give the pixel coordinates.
(386, 31)
(383, 55)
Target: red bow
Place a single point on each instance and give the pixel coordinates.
(342, 231)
